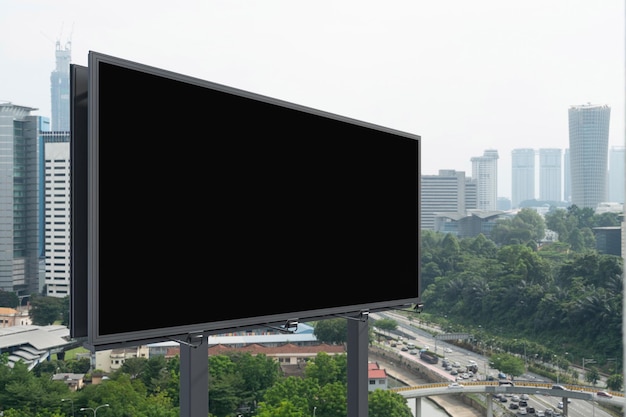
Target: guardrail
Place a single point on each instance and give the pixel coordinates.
(571, 389)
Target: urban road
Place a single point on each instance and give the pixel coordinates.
(578, 402)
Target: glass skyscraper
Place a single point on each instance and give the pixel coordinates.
(588, 148)
(523, 176)
(21, 199)
(60, 88)
(550, 174)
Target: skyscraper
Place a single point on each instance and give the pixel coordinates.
(485, 173)
(441, 193)
(567, 177)
(522, 176)
(589, 142)
(56, 222)
(60, 88)
(617, 157)
(21, 202)
(550, 174)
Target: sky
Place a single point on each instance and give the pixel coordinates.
(465, 76)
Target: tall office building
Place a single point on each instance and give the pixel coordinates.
(441, 193)
(522, 176)
(60, 88)
(550, 174)
(567, 177)
(589, 147)
(57, 213)
(485, 172)
(617, 174)
(21, 202)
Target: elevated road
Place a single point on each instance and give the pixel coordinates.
(491, 389)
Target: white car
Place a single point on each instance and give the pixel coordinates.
(455, 385)
(447, 350)
(522, 412)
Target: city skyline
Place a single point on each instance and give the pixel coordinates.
(466, 77)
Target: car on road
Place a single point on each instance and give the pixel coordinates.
(513, 406)
(455, 385)
(561, 387)
(540, 413)
(604, 394)
(447, 350)
(530, 410)
(523, 403)
(524, 397)
(522, 412)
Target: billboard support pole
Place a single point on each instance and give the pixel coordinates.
(194, 377)
(358, 348)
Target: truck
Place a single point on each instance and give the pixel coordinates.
(428, 356)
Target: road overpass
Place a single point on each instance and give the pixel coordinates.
(491, 388)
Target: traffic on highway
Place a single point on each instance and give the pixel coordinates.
(455, 364)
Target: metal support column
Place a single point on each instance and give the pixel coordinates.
(358, 344)
(418, 406)
(489, 405)
(194, 377)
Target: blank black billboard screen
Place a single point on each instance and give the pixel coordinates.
(213, 208)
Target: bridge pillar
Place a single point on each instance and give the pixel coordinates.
(418, 406)
(489, 405)
(564, 399)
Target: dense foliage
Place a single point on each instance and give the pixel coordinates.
(549, 298)
(239, 384)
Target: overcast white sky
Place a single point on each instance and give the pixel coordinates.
(464, 75)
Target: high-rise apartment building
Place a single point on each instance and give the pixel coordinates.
(550, 169)
(588, 144)
(57, 213)
(441, 193)
(485, 173)
(522, 176)
(567, 177)
(21, 199)
(617, 174)
(60, 88)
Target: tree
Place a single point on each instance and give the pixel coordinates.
(333, 331)
(592, 376)
(387, 325)
(323, 368)
(45, 310)
(9, 299)
(134, 367)
(615, 382)
(385, 403)
(508, 364)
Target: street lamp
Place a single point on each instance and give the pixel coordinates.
(95, 410)
(314, 408)
(556, 359)
(584, 362)
(70, 400)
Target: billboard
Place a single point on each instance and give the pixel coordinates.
(212, 209)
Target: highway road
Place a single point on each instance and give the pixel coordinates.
(423, 339)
